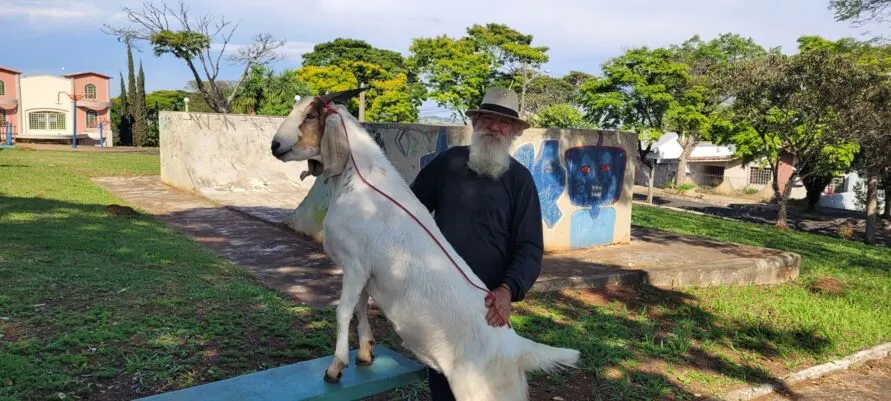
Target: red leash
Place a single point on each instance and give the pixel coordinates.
(490, 295)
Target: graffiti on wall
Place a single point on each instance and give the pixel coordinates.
(593, 178)
(549, 177)
(442, 143)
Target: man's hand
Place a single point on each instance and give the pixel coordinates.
(499, 308)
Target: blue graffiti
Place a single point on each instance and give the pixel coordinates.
(596, 177)
(379, 139)
(550, 179)
(590, 229)
(525, 155)
(442, 143)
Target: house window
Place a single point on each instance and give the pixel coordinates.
(759, 176)
(3, 120)
(2, 88)
(46, 120)
(92, 119)
(90, 91)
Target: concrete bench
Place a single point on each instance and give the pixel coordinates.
(303, 381)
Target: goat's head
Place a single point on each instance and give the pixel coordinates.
(313, 134)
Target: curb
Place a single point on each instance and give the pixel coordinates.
(877, 352)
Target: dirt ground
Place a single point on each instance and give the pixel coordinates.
(868, 382)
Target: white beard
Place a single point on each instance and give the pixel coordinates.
(489, 153)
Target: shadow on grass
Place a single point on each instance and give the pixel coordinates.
(128, 309)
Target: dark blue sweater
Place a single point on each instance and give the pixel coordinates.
(495, 225)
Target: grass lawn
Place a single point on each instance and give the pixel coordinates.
(109, 308)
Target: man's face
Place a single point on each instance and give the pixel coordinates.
(501, 127)
(492, 138)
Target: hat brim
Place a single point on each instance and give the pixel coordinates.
(473, 112)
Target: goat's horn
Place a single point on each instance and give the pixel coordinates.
(341, 97)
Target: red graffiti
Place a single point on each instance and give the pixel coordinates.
(585, 169)
(604, 167)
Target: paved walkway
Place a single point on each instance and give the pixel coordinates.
(292, 264)
(869, 382)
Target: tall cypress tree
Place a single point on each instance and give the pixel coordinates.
(124, 134)
(140, 112)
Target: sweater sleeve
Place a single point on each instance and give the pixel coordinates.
(528, 241)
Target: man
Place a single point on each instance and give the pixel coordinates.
(486, 205)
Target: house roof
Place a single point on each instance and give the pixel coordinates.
(80, 74)
(9, 69)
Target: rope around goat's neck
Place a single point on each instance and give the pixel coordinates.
(490, 295)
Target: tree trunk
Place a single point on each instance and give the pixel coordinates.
(687, 144)
(887, 186)
(783, 199)
(872, 191)
(815, 184)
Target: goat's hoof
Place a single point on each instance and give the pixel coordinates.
(364, 362)
(334, 380)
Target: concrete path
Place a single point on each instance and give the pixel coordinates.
(869, 382)
(254, 237)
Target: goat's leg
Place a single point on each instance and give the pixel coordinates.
(353, 285)
(366, 339)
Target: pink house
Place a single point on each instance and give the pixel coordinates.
(42, 107)
(9, 102)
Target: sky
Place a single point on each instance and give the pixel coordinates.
(61, 37)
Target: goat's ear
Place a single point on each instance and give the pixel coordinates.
(335, 148)
(343, 96)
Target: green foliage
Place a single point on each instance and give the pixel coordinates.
(454, 73)
(548, 91)
(141, 133)
(265, 93)
(394, 93)
(457, 71)
(184, 44)
(561, 115)
(636, 92)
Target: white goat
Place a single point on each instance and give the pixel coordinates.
(386, 254)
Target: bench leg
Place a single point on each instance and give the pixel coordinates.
(353, 286)
(366, 339)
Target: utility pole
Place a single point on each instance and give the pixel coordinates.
(361, 103)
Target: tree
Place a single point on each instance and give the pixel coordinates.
(561, 115)
(267, 93)
(121, 119)
(457, 71)
(141, 135)
(190, 40)
(790, 107)
(384, 72)
(860, 11)
(636, 93)
(700, 114)
(513, 58)
(549, 91)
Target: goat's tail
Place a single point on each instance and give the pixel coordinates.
(533, 356)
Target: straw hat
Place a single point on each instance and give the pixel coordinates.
(501, 102)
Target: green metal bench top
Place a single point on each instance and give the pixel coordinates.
(303, 381)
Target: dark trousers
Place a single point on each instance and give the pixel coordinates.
(439, 386)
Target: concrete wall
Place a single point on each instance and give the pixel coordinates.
(208, 152)
(584, 178)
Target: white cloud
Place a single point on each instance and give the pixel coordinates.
(41, 11)
(291, 51)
